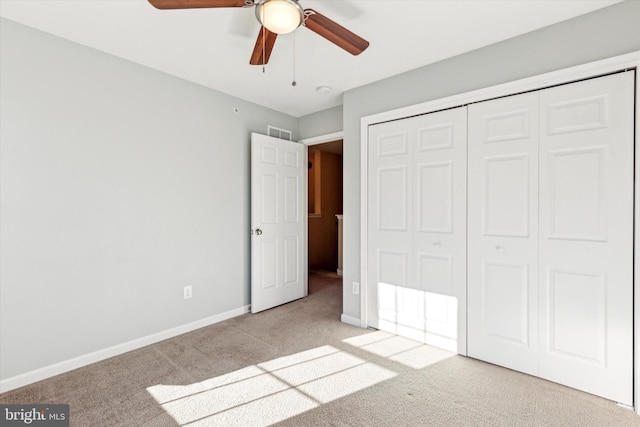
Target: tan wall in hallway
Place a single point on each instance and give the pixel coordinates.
(323, 229)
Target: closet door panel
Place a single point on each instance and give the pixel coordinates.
(506, 201)
(576, 182)
(586, 235)
(435, 197)
(389, 230)
(417, 228)
(440, 226)
(502, 231)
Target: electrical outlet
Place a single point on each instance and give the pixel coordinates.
(187, 292)
(355, 288)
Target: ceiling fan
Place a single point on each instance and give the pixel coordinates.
(278, 17)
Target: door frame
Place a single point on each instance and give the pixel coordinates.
(316, 140)
(562, 76)
(321, 139)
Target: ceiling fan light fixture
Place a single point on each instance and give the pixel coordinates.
(280, 16)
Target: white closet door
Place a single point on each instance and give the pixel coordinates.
(439, 232)
(586, 235)
(417, 228)
(503, 232)
(389, 232)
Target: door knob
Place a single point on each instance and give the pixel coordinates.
(258, 231)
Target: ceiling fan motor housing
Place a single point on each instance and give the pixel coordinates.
(279, 16)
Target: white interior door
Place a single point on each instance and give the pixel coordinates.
(586, 235)
(503, 232)
(278, 222)
(417, 228)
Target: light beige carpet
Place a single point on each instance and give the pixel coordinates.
(298, 365)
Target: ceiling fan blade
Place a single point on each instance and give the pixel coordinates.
(335, 33)
(192, 4)
(264, 44)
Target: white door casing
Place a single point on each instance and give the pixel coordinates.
(417, 228)
(278, 222)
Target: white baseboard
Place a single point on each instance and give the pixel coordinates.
(350, 320)
(96, 356)
(339, 272)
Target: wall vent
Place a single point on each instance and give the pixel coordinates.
(278, 133)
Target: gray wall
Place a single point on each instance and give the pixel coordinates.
(605, 33)
(119, 185)
(321, 123)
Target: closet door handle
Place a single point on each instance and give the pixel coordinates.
(436, 245)
(499, 248)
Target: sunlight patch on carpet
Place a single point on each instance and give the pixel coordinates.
(399, 349)
(272, 391)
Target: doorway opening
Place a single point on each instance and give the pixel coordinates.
(325, 214)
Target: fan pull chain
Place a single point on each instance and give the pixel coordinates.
(263, 43)
(293, 83)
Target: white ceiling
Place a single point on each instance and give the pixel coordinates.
(212, 47)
